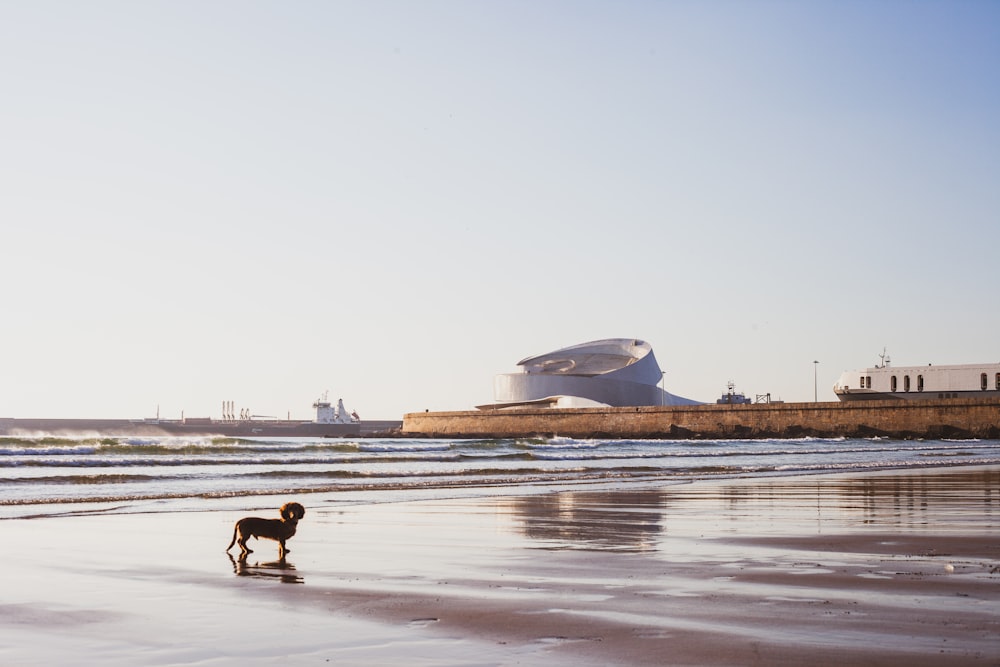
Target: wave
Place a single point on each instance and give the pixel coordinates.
(49, 469)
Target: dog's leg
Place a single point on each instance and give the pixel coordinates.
(244, 549)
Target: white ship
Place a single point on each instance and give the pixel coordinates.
(885, 381)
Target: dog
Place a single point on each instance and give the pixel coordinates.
(279, 530)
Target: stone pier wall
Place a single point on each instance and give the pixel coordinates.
(953, 418)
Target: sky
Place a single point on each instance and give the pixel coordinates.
(394, 201)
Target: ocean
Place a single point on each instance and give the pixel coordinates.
(48, 475)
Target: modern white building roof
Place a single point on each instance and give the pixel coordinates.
(617, 372)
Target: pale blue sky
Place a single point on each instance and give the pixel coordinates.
(395, 201)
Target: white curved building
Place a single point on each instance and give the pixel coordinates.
(616, 372)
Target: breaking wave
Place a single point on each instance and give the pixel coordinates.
(43, 470)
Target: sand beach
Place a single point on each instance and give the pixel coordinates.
(875, 568)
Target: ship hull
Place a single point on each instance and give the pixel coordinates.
(864, 395)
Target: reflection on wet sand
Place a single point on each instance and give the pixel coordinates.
(637, 520)
(900, 499)
(280, 569)
(606, 521)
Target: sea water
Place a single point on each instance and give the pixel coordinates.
(38, 474)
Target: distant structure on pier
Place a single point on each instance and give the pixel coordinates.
(616, 372)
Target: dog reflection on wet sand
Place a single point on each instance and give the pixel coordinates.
(279, 569)
(279, 530)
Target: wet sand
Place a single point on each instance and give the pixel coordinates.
(890, 568)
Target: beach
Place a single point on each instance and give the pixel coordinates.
(896, 567)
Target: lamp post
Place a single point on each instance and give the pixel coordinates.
(815, 393)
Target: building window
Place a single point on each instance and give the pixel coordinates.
(998, 382)
(920, 383)
(892, 383)
(983, 384)
(868, 382)
(861, 382)
(906, 383)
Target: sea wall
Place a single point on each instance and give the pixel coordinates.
(950, 418)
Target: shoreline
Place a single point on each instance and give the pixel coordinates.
(789, 569)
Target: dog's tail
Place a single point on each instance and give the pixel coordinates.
(236, 530)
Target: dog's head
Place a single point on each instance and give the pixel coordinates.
(292, 512)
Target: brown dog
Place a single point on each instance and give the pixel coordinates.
(279, 530)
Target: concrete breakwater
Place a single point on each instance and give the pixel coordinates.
(947, 418)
